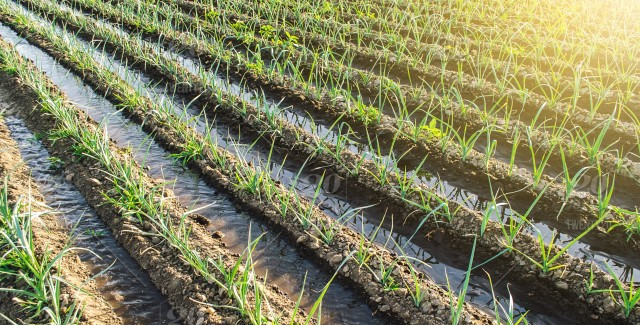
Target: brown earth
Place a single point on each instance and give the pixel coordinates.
(50, 235)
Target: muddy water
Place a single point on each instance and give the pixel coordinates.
(274, 256)
(267, 103)
(587, 248)
(298, 116)
(126, 287)
(622, 197)
(122, 133)
(337, 206)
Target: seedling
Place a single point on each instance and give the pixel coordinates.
(55, 163)
(456, 303)
(626, 296)
(549, 253)
(506, 315)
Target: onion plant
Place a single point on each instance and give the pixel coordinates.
(506, 315)
(37, 277)
(548, 255)
(456, 302)
(539, 170)
(626, 296)
(129, 193)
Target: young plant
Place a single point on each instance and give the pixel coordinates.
(383, 165)
(362, 254)
(465, 144)
(441, 210)
(538, 165)
(490, 150)
(384, 275)
(595, 148)
(36, 278)
(548, 257)
(231, 274)
(405, 179)
(506, 316)
(490, 210)
(415, 287)
(627, 219)
(605, 193)
(629, 295)
(570, 182)
(329, 229)
(518, 221)
(456, 303)
(304, 212)
(514, 150)
(249, 178)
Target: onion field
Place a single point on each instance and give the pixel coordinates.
(334, 162)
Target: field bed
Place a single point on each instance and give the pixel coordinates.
(627, 172)
(157, 161)
(258, 128)
(453, 60)
(370, 185)
(402, 68)
(449, 21)
(393, 284)
(552, 200)
(625, 169)
(528, 112)
(49, 236)
(159, 259)
(191, 193)
(172, 140)
(379, 27)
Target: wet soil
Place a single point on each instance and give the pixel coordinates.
(126, 287)
(51, 236)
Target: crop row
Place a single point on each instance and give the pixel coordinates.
(518, 178)
(357, 162)
(42, 278)
(409, 100)
(598, 91)
(520, 32)
(510, 99)
(578, 152)
(137, 209)
(238, 179)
